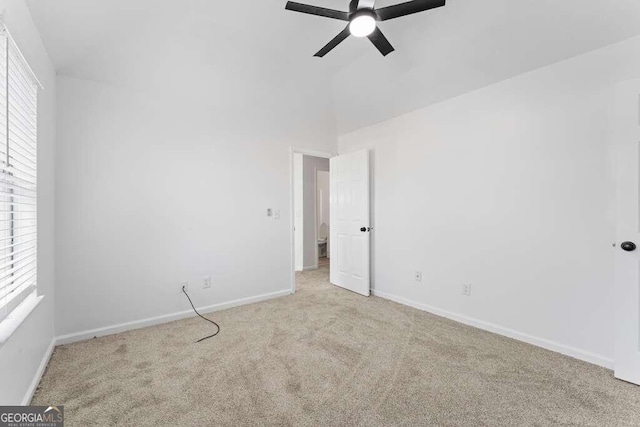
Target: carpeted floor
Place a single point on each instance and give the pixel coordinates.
(327, 357)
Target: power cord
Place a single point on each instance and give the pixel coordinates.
(208, 320)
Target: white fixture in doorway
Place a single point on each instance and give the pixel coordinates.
(323, 241)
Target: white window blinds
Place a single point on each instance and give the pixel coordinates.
(18, 177)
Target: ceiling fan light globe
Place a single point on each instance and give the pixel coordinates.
(362, 25)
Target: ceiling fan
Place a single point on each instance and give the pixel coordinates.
(363, 17)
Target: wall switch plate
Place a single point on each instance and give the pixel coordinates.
(185, 285)
(207, 282)
(418, 276)
(466, 289)
(276, 214)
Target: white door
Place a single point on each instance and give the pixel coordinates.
(350, 228)
(627, 258)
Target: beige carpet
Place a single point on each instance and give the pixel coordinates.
(328, 357)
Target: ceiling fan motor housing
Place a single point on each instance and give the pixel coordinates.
(364, 12)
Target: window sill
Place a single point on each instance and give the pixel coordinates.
(10, 325)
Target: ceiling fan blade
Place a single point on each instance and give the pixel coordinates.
(408, 8)
(333, 43)
(381, 42)
(353, 5)
(318, 11)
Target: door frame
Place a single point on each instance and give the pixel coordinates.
(306, 152)
(315, 215)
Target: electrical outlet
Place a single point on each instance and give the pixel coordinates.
(269, 212)
(466, 289)
(418, 276)
(207, 282)
(185, 286)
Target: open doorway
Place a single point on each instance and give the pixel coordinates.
(310, 214)
(340, 257)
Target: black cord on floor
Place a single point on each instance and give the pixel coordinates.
(208, 320)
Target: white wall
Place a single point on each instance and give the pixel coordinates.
(155, 189)
(22, 355)
(509, 188)
(310, 166)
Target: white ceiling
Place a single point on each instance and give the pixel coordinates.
(439, 54)
(470, 44)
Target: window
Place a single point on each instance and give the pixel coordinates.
(18, 177)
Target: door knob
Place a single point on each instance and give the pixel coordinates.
(365, 229)
(628, 246)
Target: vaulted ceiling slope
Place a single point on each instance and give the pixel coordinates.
(470, 44)
(258, 45)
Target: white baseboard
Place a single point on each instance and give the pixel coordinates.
(122, 327)
(36, 379)
(539, 342)
(310, 267)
